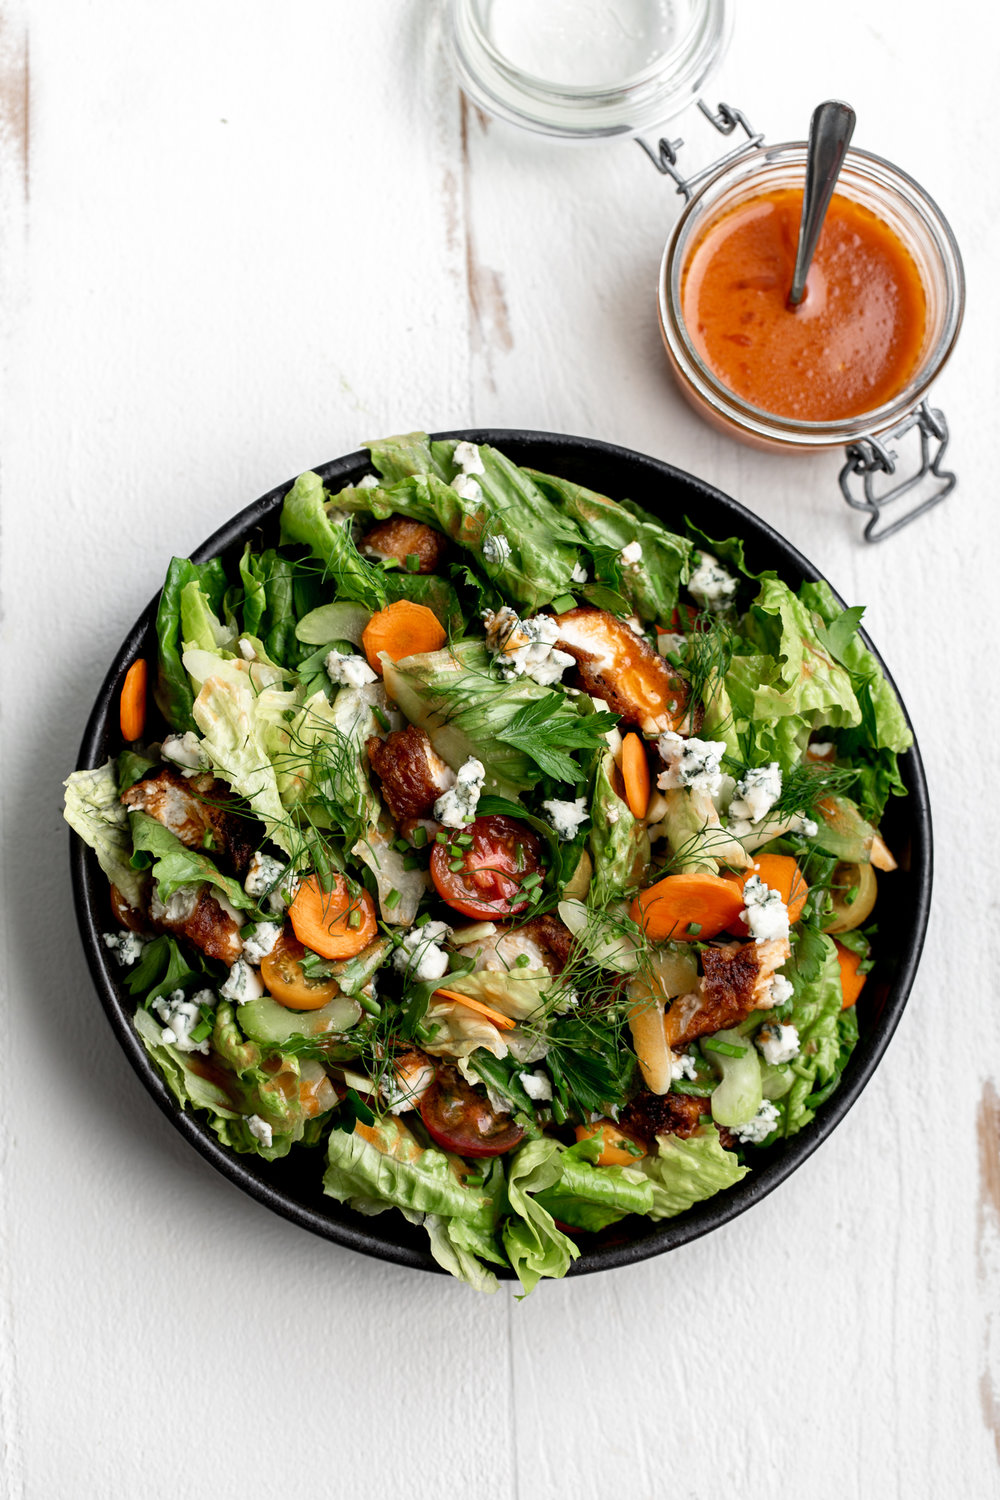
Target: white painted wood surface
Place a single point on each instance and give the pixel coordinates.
(235, 240)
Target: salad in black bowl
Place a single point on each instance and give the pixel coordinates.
(475, 846)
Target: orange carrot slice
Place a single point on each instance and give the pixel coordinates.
(851, 982)
(635, 772)
(688, 908)
(401, 629)
(614, 1144)
(499, 1020)
(132, 707)
(334, 923)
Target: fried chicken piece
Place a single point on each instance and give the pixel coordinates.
(726, 994)
(194, 809)
(412, 774)
(400, 538)
(619, 666)
(649, 1115)
(194, 913)
(544, 941)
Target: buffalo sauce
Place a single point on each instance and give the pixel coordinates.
(852, 344)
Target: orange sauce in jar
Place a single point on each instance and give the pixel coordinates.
(854, 341)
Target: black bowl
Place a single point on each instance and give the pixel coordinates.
(292, 1186)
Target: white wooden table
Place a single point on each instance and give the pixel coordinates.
(236, 240)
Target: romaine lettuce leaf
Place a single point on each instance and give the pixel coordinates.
(591, 1197)
(824, 1045)
(93, 809)
(619, 844)
(684, 1172)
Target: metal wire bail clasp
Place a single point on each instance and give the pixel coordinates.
(869, 457)
(725, 119)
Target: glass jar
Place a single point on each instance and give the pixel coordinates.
(584, 71)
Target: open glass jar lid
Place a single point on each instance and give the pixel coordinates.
(582, 70)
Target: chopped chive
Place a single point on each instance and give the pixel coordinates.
(392, 899)
(354, 917)
(401, 845)
(694, 928)
(704, 1119)
(456, 864)
(201, 1031)
(725, 1049)
(388, 563)
(423, 919)
(474, 1179)
(419, 836)
(673, 657)
(411, 861)
(464, 841)
(412, 562)
(441, 836)
(852, 895)
(380, 716)
(530, 880)
(367, 1003)
(562, 604)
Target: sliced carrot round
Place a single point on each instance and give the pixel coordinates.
(401, 629)
(851, 982)
(615, 1144)
(132, 706)
(688, 908)
(336, 923)
(635, 773)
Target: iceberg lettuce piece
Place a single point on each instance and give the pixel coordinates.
(200, 625)
(93, 809)
(685, 1172)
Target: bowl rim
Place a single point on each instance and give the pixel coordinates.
(767, 1173)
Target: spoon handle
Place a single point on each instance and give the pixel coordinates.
(830, 131)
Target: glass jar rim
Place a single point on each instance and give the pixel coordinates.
(651, 96)
(876, 171)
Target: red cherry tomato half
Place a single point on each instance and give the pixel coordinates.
(462, 1121)
(484, 878)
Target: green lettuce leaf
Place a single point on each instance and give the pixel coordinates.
(93, 809)
(824, 1045)
(268, 605)
(591, 1197)
(619, 844)
(534, 1245)
(304, 519)
(651, 589)
(175, 865)
(464, 708)
(174, 694)
(684, 1172)
(808, 680)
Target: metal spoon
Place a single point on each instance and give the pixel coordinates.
(830, 131)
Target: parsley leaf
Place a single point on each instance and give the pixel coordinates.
(543, 731)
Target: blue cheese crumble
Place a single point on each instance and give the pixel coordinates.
(496, 550)
(266, 880)
(243, 984)
(457, 806)
(566, 816)
(180, 1016)
(184, 751)
(126, 946)
(777, 1043)
(260, 942)
(525, 648)
(420, 955)
(764, 912)
(760, 1127)
(344, 669)
(690, 763)
(712, 585)
(756, 793)
(260, 1130)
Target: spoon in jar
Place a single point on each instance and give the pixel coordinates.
(830, 131)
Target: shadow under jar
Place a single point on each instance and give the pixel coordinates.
(899, 213)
